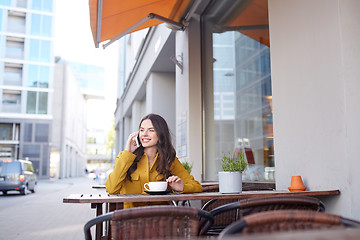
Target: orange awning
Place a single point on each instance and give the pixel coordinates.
(254, 21)
(112, 19)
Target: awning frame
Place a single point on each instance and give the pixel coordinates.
(176, 25)
(98, 22)
(173, 24)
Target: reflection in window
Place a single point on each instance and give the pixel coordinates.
(40, 50)
(31, 102)
(238, 96)
(38, 76)
(35, 24)
(42, 5)
(1, 20)
(37, 102)
(41, 25)
(28, 132)
(6, 131)
(43, 102)
(5, 2)
(41, 132)
(31, 151)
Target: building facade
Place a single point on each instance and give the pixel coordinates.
(68, 148)
(276, 79)
(26, 81)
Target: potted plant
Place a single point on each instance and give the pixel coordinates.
(230, 179)
(188, 166)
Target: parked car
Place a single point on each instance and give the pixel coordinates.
(18, 175)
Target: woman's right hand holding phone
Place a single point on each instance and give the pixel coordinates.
(131, 145)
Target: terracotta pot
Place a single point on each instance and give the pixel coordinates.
(296, 184)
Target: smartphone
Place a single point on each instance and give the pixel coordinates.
(137, 140)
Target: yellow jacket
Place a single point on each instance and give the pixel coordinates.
(117, 182)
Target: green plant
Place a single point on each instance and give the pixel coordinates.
(187, 166)
(229, 165)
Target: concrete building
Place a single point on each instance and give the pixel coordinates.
(279, 76)
(91, 80)
(68, 149)
(77, 144)
(26, 81)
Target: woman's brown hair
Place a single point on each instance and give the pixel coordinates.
(166, 151)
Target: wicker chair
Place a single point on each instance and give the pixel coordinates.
(285, 221)
(151, 222)
(230, 216)
(226, 214)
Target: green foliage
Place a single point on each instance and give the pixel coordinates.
(110, 139)
(187, 166)
(229, 165)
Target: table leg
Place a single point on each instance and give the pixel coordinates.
(99, 227)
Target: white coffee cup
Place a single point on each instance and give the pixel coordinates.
(156, 186)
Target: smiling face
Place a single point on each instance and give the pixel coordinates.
(147, 134)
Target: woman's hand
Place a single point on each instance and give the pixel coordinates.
(176, 183)
(131, 142)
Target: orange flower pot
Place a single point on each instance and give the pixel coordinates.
(296, 184)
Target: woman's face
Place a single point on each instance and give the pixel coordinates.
(147, 134)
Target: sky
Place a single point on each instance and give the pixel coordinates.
(74, 42)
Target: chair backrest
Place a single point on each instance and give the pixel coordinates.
(226, 214)
(286, 220)
(152, 222)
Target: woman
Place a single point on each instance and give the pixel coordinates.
(154, 160)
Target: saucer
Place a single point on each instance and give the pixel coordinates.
(158, 192)
(298, 189)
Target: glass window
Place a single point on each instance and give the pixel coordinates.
(45, 51)
(28, 132)
(32, 78)
(16, 22)
(35, 24)
(36, 4)
(13, 74)
(40, 50)
(45, 160)
(48, 5)
(1, 19)
(46, 26)
(11, 101)
(6, 131)
(21, 3)
(44, 76)
(31, 102)
(36, 165)
(37, 102)
(41, 25)
(42, 5)
(38, 76)
(43, 102)
(5, 2)
(237, 91)
(14, 47)
(31, 151)
(34, 49)
(42, 132)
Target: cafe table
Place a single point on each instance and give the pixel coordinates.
(98, 199)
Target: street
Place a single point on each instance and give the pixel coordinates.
(43, 215)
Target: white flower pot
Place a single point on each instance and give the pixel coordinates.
(230, 182)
